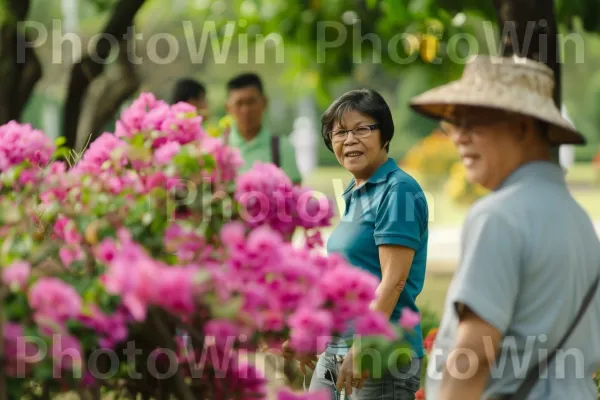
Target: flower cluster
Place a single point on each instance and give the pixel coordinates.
(269, 198)
(131, 246)
(21, 143)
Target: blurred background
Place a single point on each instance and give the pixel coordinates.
(69, 67)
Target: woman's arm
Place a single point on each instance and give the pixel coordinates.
(395, 263)
(395, 266)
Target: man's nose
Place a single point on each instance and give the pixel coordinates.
(460, 136)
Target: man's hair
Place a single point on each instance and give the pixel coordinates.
(245, 80)
(187, 89)
(364, 101)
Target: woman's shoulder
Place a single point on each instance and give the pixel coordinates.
(402, 180)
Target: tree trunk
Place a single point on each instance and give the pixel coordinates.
(534, 22)
(86, 70)
(20, 67)
(104, 99)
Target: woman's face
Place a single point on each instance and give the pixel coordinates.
(362, 155)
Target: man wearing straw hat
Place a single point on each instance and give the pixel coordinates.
(530, 256)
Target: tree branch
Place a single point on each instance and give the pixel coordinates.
(86, 70)
(182, 390)
(27, 78)
(21, 68)
(116, 91)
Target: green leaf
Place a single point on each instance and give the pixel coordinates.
(371, 4)
(16, 308)
(59, 141)
(227, 310)
(43, 370)
(62, 152)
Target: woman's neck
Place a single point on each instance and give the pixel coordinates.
(359, 180)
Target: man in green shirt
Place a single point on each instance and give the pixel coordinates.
(246, 103)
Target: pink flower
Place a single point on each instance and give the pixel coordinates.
(268, 197)
(101, 151)
(165, 153)
(67, 353)
(18, 352)
(233, 235)
(28, 176)
(374, 324)
(409, 319)
(174, 289)
(225, 333)
(309, 330)
(132, 279)
(70, 254)
(111, 329)
(182, 130)
(55, 299)
(17, 274)
(349, 290)
(241, 378)
(20, 142)
(106, 250)
(287, 394)
(183, 108)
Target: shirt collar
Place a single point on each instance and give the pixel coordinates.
(379, 176)
(236, 139)
(539, 170)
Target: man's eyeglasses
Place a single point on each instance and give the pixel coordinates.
(358, 132)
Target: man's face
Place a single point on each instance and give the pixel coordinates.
(491, 147)
(247, 106)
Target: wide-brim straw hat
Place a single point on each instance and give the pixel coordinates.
(510, 84)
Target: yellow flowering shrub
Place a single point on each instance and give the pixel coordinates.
(435, 163)
(459, 189)
(431, 159)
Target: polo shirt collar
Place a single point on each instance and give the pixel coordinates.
(236, 139)
(379, 176)
(538, 170)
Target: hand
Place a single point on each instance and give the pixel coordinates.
(349, 376)
(304, 360)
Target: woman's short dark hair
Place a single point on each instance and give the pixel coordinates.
(187, 89)
(364, 101)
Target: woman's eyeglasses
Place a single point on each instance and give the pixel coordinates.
(359, 132)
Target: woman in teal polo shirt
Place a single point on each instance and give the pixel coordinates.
(384, 230)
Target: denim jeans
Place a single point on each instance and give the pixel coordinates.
(400, 385)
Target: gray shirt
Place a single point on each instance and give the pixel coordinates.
(529, 254)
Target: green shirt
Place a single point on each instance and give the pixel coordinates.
(259, 149)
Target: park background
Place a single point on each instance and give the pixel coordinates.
(60, 90)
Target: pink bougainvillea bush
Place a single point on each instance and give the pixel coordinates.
(148, 265)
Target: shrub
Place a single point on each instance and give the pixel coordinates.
(152, 240)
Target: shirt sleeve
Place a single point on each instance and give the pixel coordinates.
(402, 217)
(489, 274)
(288, 160)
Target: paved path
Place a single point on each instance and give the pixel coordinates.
(444, 247)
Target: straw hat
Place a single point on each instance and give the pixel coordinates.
(512, 84)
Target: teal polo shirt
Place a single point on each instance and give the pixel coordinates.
(259, 149)
(390, 208)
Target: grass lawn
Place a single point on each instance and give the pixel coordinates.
(434, 293)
